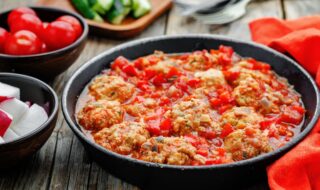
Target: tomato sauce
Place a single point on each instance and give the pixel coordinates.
(198, 108)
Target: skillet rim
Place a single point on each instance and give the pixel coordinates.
(247, 162)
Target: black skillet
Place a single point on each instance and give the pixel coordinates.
(147, 175)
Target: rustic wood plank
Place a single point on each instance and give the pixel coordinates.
(298, 8)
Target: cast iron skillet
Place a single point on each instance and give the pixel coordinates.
(160, 176)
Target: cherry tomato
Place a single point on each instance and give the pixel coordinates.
(27, 22)
(59, 34)
(16, 13)
(74, 22)
(3, 37)
(23, 42)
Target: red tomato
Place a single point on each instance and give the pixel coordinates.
(227, 129)
(292, 114)
(194, 82)
(16, 13)
(119, 62)
(59, 34)
(3, 37)
(74, 22)
(129, 70)
(27, 22)
(158, 80)
(23, 42)
(166, 125)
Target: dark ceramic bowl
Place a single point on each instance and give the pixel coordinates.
(50, 64)
(160, 176)
(35, 91)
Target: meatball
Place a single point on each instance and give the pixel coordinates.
(211, 77)
(124, 138)
(199, 61)
(243, 146)
(100, 114)
(241, 117)
(168, 150)
(262, 97)
(190, 115)
(111, 88)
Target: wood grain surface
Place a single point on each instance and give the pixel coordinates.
(62, 163)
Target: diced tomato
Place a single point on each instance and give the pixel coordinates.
(139, 63)
(149, 73)
(212, 161)
(202, 152)
(194, 82)
(267, 123)
(166, 124)
(290, 114)
(153, 59)
(120, 62)
(129, 70)
(231, 75)
(182, 86)
(192, 139)
(227, 129)
(224, 108)
(143, 85)
(173, 72)
(299, 109)
(221, 151)
(224, 59)
(226, 49)
(217, 142)
(158, 80)
(164, 101)
(250, 132)
(209, 134)
(257, 65)
(215, 102)
(154, 130)
(195, 163)
(225, 97)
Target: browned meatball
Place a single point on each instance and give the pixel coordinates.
(241, 117)
(124, 138)
(190, 115)
(169, 150)
(111, 88)
(243, 146)
(100, 114)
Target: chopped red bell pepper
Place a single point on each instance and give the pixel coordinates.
(158, 80)
(194, 82)
(226, 130)
(139, 63)
(166, 124)
(129, 70)
(119, 62)
(148, 73)
(226, 49)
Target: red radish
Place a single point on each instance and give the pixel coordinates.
(15, 108)
(5, 122)
(31, 120)
(10, 135)
(9, 91)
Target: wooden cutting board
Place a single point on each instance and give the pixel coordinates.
(130, 26)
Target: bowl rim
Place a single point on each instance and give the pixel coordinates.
(241, 163)
(50, 117)
(75, 44)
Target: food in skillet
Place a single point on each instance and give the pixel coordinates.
(199, 108)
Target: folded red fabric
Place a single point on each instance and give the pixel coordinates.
(299, 169)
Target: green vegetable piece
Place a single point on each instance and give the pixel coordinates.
(126, 3)
(140, 8)
(102, 6)
(83, 7)
(118, 13)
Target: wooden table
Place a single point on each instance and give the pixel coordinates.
(62, 162)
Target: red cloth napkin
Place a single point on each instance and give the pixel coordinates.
(299, 169)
